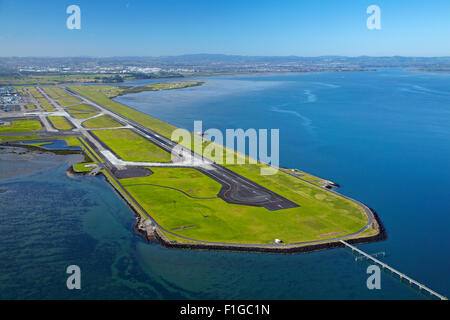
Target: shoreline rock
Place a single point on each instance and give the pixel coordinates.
(152, 234)
(155, 236)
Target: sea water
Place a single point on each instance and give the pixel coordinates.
(383, 136)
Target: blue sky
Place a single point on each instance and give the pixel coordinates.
(244, 27)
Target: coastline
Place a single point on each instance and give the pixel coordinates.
(152, 231)
(183, 76)
(156, 235)
(138, 89)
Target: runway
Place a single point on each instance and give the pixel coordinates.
(235, 189)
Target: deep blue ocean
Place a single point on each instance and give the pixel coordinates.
(383, 136)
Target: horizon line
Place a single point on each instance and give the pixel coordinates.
(229, 55)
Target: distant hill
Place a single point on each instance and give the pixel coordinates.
(222, 63)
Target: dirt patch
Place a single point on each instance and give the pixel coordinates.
(329, 234)
(320, 196)
(131, 172)
(184, 227)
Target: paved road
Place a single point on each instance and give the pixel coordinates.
(236, 188)
(242, 182)
(47, 124)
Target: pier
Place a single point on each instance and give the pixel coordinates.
(394, 271)
(374, 255)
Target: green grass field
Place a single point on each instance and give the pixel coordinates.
(83, 107)
(19, 138)
(57, 78)
(82, 115)
(42, 100)
(21, 126)
(173, 85)
(82, 167)
(308, 177)
(73, 141)
(60, 123)
(95, 93)
(82, 111)
(47, 107)
(130, 146)
(189, 180)
(157, 87)
(108, 91)
(322, 214)
(55, 92)
(100, 95)
(67, 101)
(101, 122)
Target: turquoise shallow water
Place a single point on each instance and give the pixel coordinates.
(383, 136)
